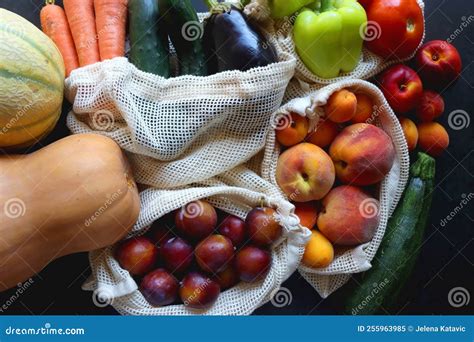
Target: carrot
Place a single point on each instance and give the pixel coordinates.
(111, 20)
(81, 18)
(54, 24)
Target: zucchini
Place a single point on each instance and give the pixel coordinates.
(398, 251)
(186, 33)
(149, 47)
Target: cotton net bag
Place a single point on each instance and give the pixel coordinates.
(369, 65)
(357, 259)
(180, 130)
(235, 192)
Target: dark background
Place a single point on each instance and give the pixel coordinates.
(446, 259)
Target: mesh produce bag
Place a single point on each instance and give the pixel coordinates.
(370, 64)
(235, 192)
(179, 130)
(357, 259)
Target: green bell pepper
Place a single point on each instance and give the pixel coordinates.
(329, 40)
(285, 8)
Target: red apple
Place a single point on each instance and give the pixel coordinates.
(402, 87)
(430, 107)
(439, 63)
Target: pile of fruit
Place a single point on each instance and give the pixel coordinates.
(343, 147)
(194, 254)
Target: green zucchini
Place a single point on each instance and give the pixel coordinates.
(149, 47)
(396, 257)
(186, 33)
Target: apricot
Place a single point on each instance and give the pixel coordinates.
(319, 252)
(323, 135)
(341, 106)
(362, 154)
(410, 131)
(307, 212)
(292, 129)
(432, 138)
(364, 110)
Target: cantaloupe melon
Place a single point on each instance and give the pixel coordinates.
(31, 82)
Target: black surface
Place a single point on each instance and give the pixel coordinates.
(446, 259)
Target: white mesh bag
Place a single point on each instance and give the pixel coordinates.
(327, 280)
(370, 64)
(235, 192)
(179, 130)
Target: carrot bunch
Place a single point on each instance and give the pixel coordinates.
(86, 31)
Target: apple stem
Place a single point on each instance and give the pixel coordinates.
(262, 202)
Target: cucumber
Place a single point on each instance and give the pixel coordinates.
(186, 33)
(398, 251)
(148, 38)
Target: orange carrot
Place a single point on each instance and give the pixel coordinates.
(111, 20)
(54, 24)
(81, 18)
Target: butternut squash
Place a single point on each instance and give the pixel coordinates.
(72, 196)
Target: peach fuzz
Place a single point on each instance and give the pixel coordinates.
(410, 131)
(348, 216)
(432, 138)
(293, 131)
(307, 212)
(362, 154)
(305, 173)
(319, 251)
(324, 134)
(364, 109)
(341, 106)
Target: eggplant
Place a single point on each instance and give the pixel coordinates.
(232, 43)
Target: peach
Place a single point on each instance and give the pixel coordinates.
(432, 138)
(305, 173)
(364, 110)
(410, 131)
(430, 107)
(362, 154)
(319, 251)
(349, 216)
(291, 129)
(341, 106)
(323, 135)
(307, 213)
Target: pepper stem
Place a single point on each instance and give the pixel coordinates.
(326, 5)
